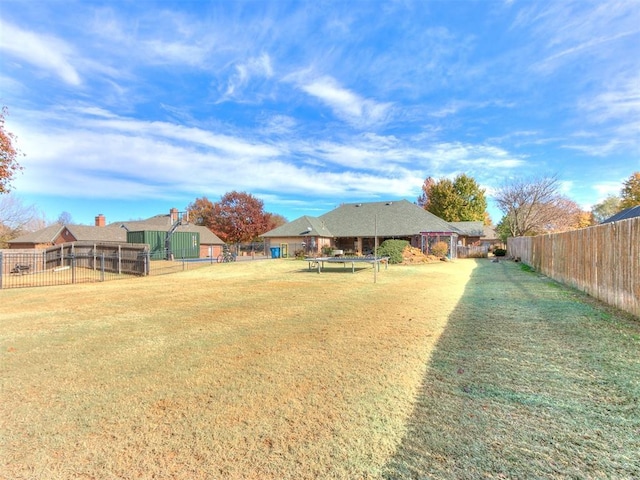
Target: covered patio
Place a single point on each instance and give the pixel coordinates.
(430, 238)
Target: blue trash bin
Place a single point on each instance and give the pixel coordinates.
(275, 252)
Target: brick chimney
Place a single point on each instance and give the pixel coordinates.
(101, 221)
(173, 214)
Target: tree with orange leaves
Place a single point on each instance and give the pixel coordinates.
(9, 165)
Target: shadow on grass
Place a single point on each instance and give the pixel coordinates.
(527, 381)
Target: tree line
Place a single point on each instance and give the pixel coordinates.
(530, 206)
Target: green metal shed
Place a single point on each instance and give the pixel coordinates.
(181, 244)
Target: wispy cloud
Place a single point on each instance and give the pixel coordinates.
(46, 52)
(573, 31)
(585, 47)
(256, 67)
(621, 100)
(151, 158)
(346, 104)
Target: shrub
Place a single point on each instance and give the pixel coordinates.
(499, 252)
(439, 249)
(392, 249)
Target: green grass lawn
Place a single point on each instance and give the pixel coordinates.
(529, 380)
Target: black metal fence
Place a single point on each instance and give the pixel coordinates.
(84, 263)
(72, 263)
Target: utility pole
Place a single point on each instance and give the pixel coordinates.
(375, 249)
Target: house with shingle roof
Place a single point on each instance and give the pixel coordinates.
(472, 232)
(116, 232)
(354, 227)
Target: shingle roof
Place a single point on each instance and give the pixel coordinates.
(624, 215)
(207, 237)
(85, 233)
(44, 235)
(472, 229)
(489, 232)
(301, 226)
(387, 219)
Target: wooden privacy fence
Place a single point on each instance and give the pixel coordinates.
(603, 261)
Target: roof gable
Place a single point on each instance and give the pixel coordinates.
(387, 219)
(302, 226)
(44, 235)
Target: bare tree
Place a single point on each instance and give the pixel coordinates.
(65, 218)
(17, 218)
(535, 206)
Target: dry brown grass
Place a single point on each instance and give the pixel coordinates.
(246, 370)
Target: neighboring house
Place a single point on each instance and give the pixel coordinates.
(477, 234)
(57, 233)
(624, 215)
(40, 239)
(490, 237)
(210, 244)
(354, 227)
(472, 232)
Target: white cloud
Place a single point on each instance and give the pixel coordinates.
(175, 52)
(278, 125)
(45, 52)
(191, 135)
(346, 104)
(605, 189)
(621, 100)
(585, 46)
(256, 67)
(104, 154)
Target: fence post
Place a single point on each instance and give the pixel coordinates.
(119, 260)
(102, 267)
(73, 268)
(1, 269)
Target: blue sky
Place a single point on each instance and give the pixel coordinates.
(130, 108)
